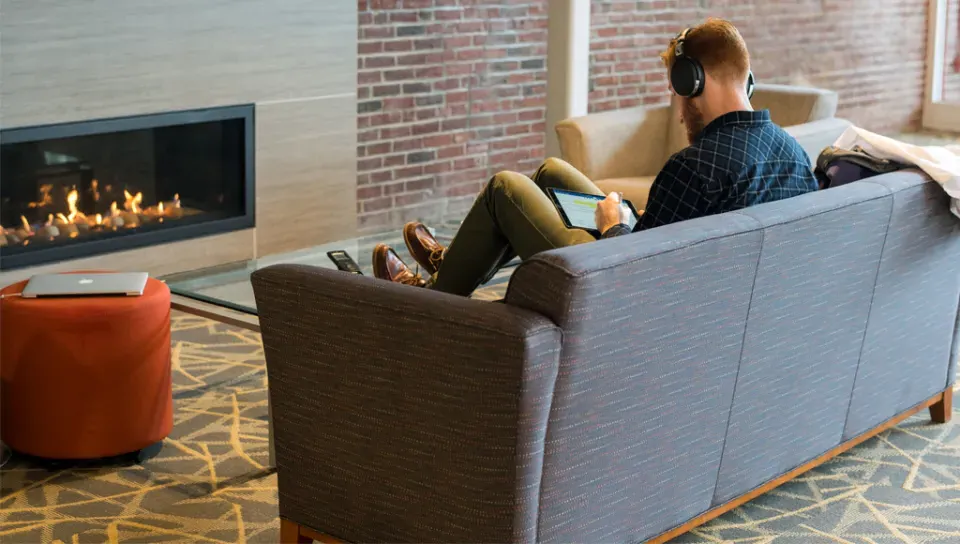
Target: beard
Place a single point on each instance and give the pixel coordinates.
(692, 119)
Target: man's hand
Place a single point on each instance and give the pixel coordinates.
(611, 211)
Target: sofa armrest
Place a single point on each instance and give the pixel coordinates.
(792, 105)
(625, 143)
(403, 414)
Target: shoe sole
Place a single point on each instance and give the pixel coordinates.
(378, 262)
(408, 234)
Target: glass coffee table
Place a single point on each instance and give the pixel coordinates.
(224, 293)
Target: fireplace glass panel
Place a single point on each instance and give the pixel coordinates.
(67, 195)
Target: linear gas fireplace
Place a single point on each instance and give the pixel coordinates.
(81, 189)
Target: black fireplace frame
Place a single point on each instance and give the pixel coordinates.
(142, 239)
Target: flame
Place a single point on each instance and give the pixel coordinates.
(74, 234)
(113, 209)
(26, 225)
(132, 203)
(176, 200)
(45, 198)
(62, 218)
(72, 205)
(99, 219)
(93, 187)
(49, 220)
(160, 208)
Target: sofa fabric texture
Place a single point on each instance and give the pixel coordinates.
(623, 387)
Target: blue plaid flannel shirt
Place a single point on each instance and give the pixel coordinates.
(740, 159)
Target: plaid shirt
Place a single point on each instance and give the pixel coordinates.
(738, 160)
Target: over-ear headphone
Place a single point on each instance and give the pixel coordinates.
(687, 76)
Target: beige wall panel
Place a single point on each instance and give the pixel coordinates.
(68, 60)
(306, 173)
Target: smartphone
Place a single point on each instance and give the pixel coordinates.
(344, 261)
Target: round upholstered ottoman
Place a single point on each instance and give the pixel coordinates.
(85, 377)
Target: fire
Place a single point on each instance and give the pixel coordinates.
(26, 225)
(113, 209)
(176, 200)
(132, 203)
(49, 220)
(93, 187)
(63, 219)
(99, 219)
(160, 208)
(45, 198)
(72, 205)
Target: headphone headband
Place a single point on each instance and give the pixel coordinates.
(681, 37)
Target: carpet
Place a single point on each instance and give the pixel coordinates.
(209, 483)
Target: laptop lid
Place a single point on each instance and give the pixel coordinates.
(93, 284)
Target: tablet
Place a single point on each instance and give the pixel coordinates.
(578, 209)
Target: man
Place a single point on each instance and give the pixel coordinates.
(737, 158)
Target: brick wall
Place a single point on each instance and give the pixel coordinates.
(951, 84)
(871, 51)
(449, 93)
(452, 91)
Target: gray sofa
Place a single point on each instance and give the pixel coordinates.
(625, 390)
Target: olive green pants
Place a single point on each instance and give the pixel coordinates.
(512, 216)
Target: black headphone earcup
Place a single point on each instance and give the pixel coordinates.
(751, 84)
(686, 77)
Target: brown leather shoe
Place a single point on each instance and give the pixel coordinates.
(423, 247)
(387, 265)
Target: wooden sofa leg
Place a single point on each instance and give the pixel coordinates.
(290, 533)
(943, 410)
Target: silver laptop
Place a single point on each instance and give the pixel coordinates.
(65, 285)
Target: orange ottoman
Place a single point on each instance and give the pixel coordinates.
(85, 377)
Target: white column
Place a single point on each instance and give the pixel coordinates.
(568, 64)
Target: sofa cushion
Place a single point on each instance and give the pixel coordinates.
(914, 307)
(636, 190)
(808, 316)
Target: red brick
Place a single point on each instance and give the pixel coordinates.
(369, 164)
(452, 151)
(438, 167)
(368, 192)
(408, 145)
(394, 160)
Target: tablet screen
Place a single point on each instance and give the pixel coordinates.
(580, 209)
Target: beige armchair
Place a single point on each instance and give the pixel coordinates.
(623, 150)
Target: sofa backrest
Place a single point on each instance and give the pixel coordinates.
(791, 105)
(615, 144)
(704, 358)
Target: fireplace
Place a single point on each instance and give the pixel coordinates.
(81, 189)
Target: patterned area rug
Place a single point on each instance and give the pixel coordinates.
(210, 484)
